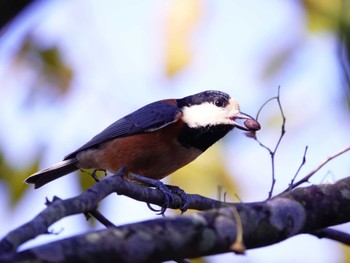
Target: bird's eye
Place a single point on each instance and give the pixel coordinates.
(220, 102)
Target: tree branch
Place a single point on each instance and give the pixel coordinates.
(302, 210)
(89, 200)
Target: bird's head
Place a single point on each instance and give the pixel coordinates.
(212, 108)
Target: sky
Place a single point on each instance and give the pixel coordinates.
(116, 49)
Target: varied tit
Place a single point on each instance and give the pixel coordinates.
(157, 139)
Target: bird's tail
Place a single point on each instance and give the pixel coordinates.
(52, 173)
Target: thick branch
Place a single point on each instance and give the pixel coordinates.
(88, 201)
(204, 233)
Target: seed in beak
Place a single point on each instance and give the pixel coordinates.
(252, 125)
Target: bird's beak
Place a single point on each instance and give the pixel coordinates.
(250, 124)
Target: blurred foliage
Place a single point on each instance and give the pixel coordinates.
(206, 175)
(183, 16)
(324, 14)
(346, 253)
(53, 75)
(86, 180)
(14, 177)
(198, 260)
(279, 60)
(334, 16)
(52, 81)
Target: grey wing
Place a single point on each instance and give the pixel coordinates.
(146, 119)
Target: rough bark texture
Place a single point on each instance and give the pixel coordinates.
(203, 233)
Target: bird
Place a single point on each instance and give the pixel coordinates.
(155, 140)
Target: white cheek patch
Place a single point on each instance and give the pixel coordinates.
(207, 114)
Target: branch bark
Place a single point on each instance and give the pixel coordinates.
(88, 201)
(303, 210)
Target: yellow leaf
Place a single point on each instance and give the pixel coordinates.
(183, 16)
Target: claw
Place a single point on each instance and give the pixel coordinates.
(153, 209)
(168, 199)
(95, 176)
(167, 191)
(177, 190)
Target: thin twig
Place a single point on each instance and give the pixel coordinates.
(283, 131)
(308, 176)
(262, 106)
(301, 165)
(101, 218)
(328, 174)
(332, 234)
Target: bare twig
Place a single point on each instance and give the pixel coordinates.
(301, 165)
(309, 175)
(100, 218)
(283, 131)
(329, 174)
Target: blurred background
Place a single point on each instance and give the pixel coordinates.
(70, 68)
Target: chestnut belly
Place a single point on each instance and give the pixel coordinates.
(154, 155)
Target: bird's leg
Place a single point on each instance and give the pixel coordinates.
(94, 174)
(168, 199)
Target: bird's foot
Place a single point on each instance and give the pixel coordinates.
(178, 191)
(166, 190)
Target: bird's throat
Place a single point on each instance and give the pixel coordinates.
(202, 137)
